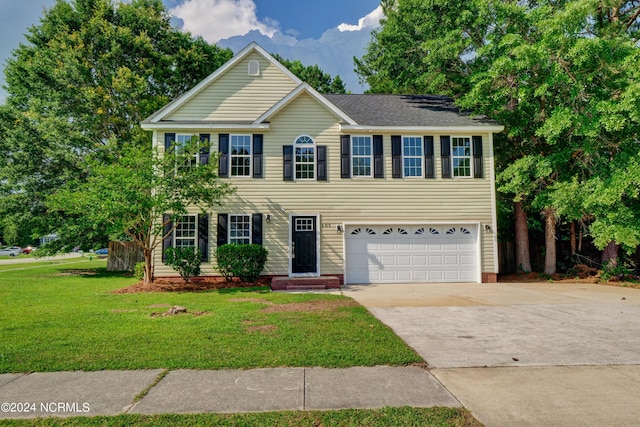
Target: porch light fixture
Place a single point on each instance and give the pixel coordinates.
(339, 229)
(487, 228)
(268, 218)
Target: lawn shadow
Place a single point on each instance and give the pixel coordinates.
(97, 273)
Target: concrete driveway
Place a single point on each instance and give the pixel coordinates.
(523, 354)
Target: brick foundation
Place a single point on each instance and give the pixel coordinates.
(489, 277)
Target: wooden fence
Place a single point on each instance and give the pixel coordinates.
(123, 256)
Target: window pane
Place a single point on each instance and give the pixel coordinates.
(305, 162)
(185, 232)
(361, 156)
(412, 156)
(240, 155)
(240, 229)
(461, 156)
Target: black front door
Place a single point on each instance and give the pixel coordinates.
(304, 245)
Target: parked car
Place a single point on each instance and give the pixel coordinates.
(103, 251)
(10, 251)
(28, 250)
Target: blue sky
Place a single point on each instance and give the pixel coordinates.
(328, 32)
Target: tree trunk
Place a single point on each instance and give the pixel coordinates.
(523, 257)
(610, 254)
(148, 266)
(573, 238)
(580, 238)
(550, 241)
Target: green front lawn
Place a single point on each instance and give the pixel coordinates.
(64, 317)
(385, 417)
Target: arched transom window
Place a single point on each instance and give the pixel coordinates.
(305, 157)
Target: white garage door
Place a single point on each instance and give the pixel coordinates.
(410, 253)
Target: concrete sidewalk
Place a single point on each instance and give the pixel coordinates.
(65, 394)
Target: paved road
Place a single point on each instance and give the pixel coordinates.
(523, 354)
(22, 260)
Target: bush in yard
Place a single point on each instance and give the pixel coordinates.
(138, 270)
(243, 261)
(185, 261)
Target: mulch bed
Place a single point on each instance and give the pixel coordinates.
(197, 284)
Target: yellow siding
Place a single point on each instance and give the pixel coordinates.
(339, 201)
(235, 95)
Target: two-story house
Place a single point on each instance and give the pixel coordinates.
(369, 188)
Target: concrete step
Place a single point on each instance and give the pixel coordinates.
(304, 283)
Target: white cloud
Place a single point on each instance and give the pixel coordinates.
(372, 20)
(234, 24)
(220, 19)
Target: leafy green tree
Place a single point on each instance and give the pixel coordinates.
(78, 87)
(132, 194)
(560, 75)
(313, 75)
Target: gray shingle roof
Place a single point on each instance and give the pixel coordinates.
(405, 110)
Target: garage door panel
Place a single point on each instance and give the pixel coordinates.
(436, 260)
(376, 254)
(419, 260)
(451, 260)
(435, 276)
(404, 260)
(466, 259)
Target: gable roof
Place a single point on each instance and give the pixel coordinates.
(305, 88)
(355, 112)
(379, 111)
(184, 98)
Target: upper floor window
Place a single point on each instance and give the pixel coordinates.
(461, 156)
(412, 156)
(361, 156)
(181, 142)
(240, 155)
(305, 158)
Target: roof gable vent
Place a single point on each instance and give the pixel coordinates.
(254, 68)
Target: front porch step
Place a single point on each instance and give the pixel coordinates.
(304, 283)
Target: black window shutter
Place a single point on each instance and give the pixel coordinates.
(256, 229)
(168, 241)
(287, 162)
(223, 149)
(322, 162)
(445, 154)
(378, 160)
(257, 155)
(477, 156)
(205, 143)
(396, 156)
(429, 169)
(203, 236)
(223, 219)
(169, 139)
(345, 156)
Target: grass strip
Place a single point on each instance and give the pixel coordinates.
(155, 382)
(384, 417)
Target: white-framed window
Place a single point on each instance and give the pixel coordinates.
(181, 142)
(240, 155)
(361, 156)
(254, 68)
(461, 156)
(305, 158)
(240, 229)
(185, 233)
(412, 157)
